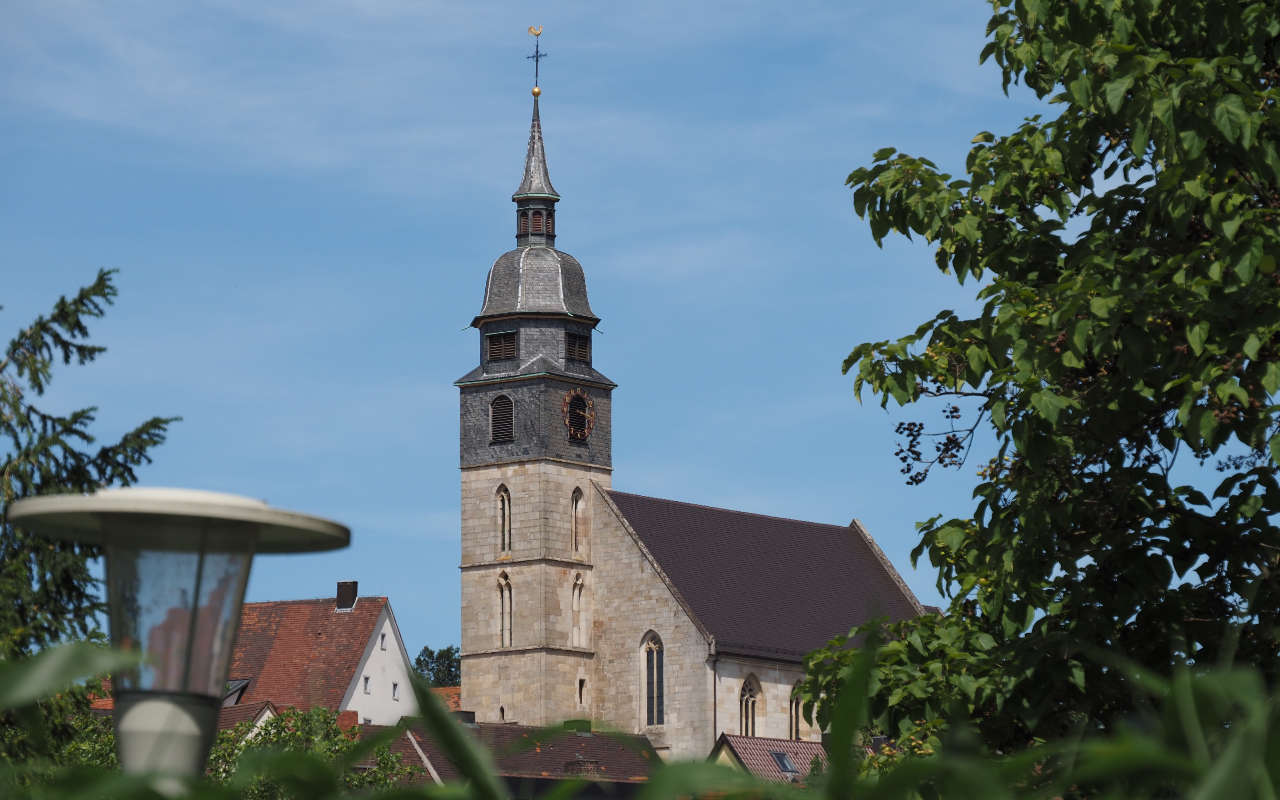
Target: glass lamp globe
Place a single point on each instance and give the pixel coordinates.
(177, 566)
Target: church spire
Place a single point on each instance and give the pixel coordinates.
(536, 183)
(536, 198)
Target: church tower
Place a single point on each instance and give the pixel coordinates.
(534, 435)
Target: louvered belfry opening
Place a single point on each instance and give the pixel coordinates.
(537, 222)
(502, 419)
(500, 346)
(524, 222)
(577, 347)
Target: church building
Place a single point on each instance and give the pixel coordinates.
(668, 619)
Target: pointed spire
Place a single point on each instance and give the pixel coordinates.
(536, 182)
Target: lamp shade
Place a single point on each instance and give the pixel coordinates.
(177, 566)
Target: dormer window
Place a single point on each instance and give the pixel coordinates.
(577, 347)
(500, 346)
(785, 765)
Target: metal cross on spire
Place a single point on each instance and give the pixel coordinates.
(538, 55)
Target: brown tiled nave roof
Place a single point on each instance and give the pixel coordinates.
(767, 586)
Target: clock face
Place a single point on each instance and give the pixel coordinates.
(579, 414)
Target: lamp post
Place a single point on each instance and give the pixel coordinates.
(177, 566)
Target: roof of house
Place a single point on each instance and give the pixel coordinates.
(451, 696)
(767, 586)
(302, 653)
(522, 751)
(231, 716)
(756, 755)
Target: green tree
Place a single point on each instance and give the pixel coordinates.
(315, 732)
(48, 594)
(441, 667)
(1125, 255)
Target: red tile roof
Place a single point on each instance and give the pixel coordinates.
(302, 653)
(451, 696)
(767, 586)
(521, 751)
(231, 716)
(755, 753)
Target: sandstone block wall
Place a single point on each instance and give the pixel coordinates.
(538, 676)
(631, 600)
(776, 682)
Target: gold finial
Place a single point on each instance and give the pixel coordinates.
(536, 32)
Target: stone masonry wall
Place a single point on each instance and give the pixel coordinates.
(631, 600)
(537, 677)
(777, 678)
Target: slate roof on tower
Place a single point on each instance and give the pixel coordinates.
(766, 586)
(536, 280)
(536, 183)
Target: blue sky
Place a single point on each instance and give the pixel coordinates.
(304, 198)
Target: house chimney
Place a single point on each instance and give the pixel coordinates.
(347, 595)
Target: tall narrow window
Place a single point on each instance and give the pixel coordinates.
(551, 222)
(748, 699)
(575, 519)
(576, 639)
(793, 724)
(537, 222)
(524, 222)
(653, 680)
(504, 610)
(503, 500)
(502, 420)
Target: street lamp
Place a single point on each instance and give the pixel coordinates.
(177, 565)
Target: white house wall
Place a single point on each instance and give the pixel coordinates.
(386, 665)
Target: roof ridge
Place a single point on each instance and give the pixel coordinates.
(728, 735)
(311, 600)
(733, 510)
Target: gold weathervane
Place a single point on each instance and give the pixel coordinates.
(536, 32)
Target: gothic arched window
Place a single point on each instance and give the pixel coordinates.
(504, 610)
(748, 700)
(576, 638)
(503, 500)
(652, 650)
(577, 509)
(502, 419)
(793, 717)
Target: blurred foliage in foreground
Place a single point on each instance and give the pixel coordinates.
(1202, 734)
(1124, 251)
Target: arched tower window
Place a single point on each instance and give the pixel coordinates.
(748, 700)
(537, 222)
(524, 222)
(502, 420)
(653, 689)
(503, 500)
(577, 509)
(793, 716)
(551, 222)
(504, 610)
(576, 637)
